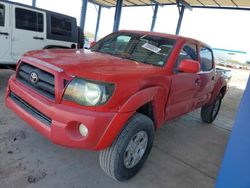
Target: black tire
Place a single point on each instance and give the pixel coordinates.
(112, 159)
(210, 112)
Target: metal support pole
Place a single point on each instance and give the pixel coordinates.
(98, 21)
(154, 18)
(180, 20)
(34, 3)
(83, 14)
(118, 12)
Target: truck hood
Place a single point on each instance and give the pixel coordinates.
(84, 63)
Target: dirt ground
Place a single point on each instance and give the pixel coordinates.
(186, 152)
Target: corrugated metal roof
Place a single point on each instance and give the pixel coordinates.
(193, 3)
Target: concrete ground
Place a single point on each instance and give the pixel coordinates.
(186, 153)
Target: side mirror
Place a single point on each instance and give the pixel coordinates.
(92, 44)
(189, 66)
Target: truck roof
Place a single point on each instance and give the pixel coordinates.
(35, 8)
(165, 35)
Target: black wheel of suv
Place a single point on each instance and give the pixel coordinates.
(210, 112)
(124, 158)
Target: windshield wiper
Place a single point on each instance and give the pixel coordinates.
(144, 62)
(131, 58)
(109, 53)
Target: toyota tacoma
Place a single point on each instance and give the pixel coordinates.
(114, 96)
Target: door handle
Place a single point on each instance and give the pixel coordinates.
(4, 33)
(38, 38)
(213, 78)
(197, 81)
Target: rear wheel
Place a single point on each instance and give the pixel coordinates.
(124, 158)
(210, 112)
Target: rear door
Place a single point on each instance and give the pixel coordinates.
(4, 32)
(184, 87)
(29, 31)
(207, 76)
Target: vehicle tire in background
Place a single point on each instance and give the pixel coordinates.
(210, 112)
(124, 158)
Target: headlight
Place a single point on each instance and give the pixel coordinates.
(88, 93)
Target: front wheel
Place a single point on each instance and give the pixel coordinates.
(210, 112)
(124, 158)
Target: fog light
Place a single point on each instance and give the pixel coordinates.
(83, 130)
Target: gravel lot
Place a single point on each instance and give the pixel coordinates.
(186, 152)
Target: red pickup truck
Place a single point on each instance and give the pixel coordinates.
(114, 96)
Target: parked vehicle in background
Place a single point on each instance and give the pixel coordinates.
(87, 42)
(24, 28)
(114, 96)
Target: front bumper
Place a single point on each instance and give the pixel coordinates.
(63, 121)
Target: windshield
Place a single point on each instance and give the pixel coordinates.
(142, 48)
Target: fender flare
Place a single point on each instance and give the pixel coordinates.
(221, 83)
(142, 97)
(125, 112)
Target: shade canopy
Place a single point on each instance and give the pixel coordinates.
(193, 3)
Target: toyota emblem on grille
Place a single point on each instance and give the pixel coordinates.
(33, 77)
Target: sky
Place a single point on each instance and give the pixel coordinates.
(227, 29)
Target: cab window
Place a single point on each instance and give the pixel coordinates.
(61, 26)
(2, 14)
(29, 20)
(189, 51)
(206, 59)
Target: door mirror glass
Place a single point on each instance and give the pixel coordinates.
(189, 66)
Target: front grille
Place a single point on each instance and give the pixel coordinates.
(45, 83)
(31, 110)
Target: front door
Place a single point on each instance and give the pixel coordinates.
(184, 87)
(29, 31)
(4, 33)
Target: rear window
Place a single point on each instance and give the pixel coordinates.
(61, 26)
(29, 20)
(206, 59)
(2, 14)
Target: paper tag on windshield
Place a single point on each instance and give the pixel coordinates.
(151, 47)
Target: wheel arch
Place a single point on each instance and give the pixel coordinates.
(147, 102)
(223, 91)
(148, 110)
(221, 86)
(143, 100)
